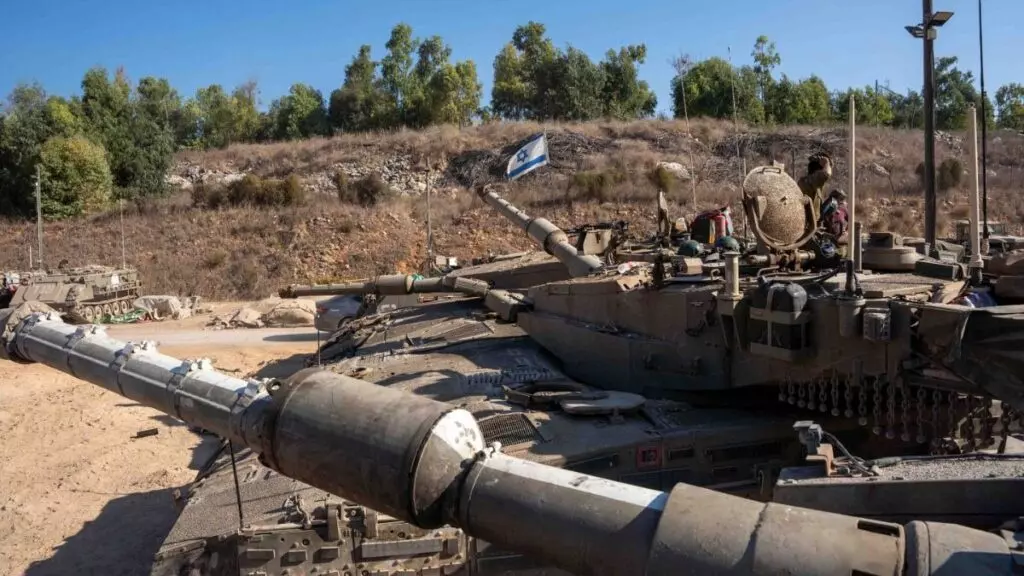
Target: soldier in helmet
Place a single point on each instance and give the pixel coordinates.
(819, 171)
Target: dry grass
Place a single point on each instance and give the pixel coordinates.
(247, 252)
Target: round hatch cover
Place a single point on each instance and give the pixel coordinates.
(613, 401)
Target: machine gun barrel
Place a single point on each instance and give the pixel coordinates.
(430, 467)
(550, 237)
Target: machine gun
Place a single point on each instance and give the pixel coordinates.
(431, 468)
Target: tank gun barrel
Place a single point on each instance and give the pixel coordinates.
(551, 238)
(390, 285)
(431, 468)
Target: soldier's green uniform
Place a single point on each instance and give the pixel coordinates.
(819, 171)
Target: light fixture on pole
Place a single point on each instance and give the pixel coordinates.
(927, 30)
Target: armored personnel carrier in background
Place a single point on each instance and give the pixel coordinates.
(83, 294)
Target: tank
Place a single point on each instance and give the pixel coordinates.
(352, 490)
(84, 294)
(839, 418)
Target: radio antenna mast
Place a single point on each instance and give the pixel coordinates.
(736, 129)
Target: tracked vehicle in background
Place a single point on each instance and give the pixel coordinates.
(84, 294)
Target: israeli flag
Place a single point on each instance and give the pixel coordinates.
(531, 156)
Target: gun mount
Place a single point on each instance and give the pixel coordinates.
(432, 469)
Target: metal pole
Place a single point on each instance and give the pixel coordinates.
(851, 240)
(984, 136)
(430, 228)
(976, 262)
(39, 216)
(120, 205)
(736, 128)
(929, 126)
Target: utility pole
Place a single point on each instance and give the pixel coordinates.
(927, 31)
(39, 217)
(929, 129)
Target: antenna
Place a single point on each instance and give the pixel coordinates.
(39, 216)
(682, 65)
(120, 205)
(736, 128)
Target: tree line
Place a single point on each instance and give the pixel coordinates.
(116, 139)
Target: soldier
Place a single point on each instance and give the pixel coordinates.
(819, 170)
(834, 217)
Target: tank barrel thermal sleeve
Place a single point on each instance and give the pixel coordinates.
(431, 467)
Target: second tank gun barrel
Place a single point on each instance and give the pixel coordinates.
(551, 238)
(390, 285)
(431, 467)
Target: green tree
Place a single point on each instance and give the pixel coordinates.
(709, 91)
(1010, 102)
(804, 102)
(454, 94)
(907, 110)
(362, 101)
(534, 80)
(29, 119)
(578, 96)
(766, 58)
(300, 114)
(873, 108)
(75, 177)
(954, 91)
(625, 95)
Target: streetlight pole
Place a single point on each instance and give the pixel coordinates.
(929, 127)
(927, 30)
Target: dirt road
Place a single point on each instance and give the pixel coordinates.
(79, 495)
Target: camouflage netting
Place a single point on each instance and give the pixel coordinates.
(9, 320)
(565, 151)
(783, 216)
(785, 148)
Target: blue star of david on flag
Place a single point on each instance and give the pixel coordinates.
(532, 155)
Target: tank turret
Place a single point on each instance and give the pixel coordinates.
(432, 469)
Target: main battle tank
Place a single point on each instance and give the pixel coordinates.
(84, 294)
(425, 490)
(668, 374)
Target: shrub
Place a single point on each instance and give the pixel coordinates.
(597, 184)
(367, 191)
(76, 177)
(950, 174)
(206, 195)
(250, 191)
(214, 259)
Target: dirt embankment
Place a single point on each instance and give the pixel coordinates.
(599, 171)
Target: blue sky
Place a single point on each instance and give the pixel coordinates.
(194, 43)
